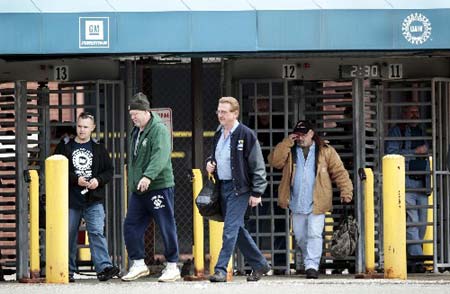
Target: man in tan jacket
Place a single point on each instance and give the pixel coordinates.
(309, 167)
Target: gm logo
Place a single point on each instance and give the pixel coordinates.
(94, 32)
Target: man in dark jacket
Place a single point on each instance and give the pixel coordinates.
(239, 166)
(151, 183)
(90, 169)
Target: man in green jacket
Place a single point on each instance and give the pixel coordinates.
(151, 183)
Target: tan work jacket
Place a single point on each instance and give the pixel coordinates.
(329, 168)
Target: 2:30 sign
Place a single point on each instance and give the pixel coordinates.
(360, 71)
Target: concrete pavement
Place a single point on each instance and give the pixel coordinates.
(333, 284)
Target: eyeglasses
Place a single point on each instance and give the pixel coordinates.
(223, 112)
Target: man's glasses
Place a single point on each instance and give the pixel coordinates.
(222, 112)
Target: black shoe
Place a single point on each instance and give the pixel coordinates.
(108, 273)
(218, 277)
(312, 273)
(255, 276)
(420, 268)
(71, 278)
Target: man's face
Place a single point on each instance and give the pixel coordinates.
(85, 127)
(304, 140)
(224, 114)
(139, 117)
(411, 113)
(262, 105)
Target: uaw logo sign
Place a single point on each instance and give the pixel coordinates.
(416, 28)
(94, 32)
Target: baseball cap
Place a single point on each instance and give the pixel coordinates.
(302, 126)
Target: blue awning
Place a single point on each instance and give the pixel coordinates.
(221, 26)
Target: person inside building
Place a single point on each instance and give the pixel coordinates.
(90, 169)
(416, 160)
(151, 183)
(238, 164)
(309, 166)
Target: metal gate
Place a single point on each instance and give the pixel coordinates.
(382, 108)
(39, 112)
(441, 176)
(271, 107)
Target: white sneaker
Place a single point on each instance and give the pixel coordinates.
(136, 271)
(170, 274)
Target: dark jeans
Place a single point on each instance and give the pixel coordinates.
(234, 232)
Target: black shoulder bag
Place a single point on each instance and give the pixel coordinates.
(208, 200)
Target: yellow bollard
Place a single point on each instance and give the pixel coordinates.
(199, 262)
(428, 247)
(394, 218)
(34, 226)
(84, 252)
(369, 221)
(215, 244)
(57, 219)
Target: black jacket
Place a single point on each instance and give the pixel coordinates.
(102, 168)
(248, 169)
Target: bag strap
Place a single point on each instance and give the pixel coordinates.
(211, 178)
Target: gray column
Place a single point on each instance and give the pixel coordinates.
(197, 112)
(22, 239)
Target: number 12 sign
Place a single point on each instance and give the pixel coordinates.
(289, 71)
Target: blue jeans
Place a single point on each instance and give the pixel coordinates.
(156, 204)
(234, 232)
(416, 215)
(308, 229)
(94, 216)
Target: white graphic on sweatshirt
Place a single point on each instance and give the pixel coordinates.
(82, 162)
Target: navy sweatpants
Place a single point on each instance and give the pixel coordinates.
(156, 204)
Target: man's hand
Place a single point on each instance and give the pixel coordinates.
(293, 137)
(254, 201)
(93, 184)
(210, 167)
(82, 182)
(143, 184)
(346, 199)
(423, 149)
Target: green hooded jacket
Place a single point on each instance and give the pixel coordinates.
(153, 159)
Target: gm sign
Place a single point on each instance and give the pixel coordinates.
(94, 32)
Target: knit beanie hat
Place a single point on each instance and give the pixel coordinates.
(139, 102)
